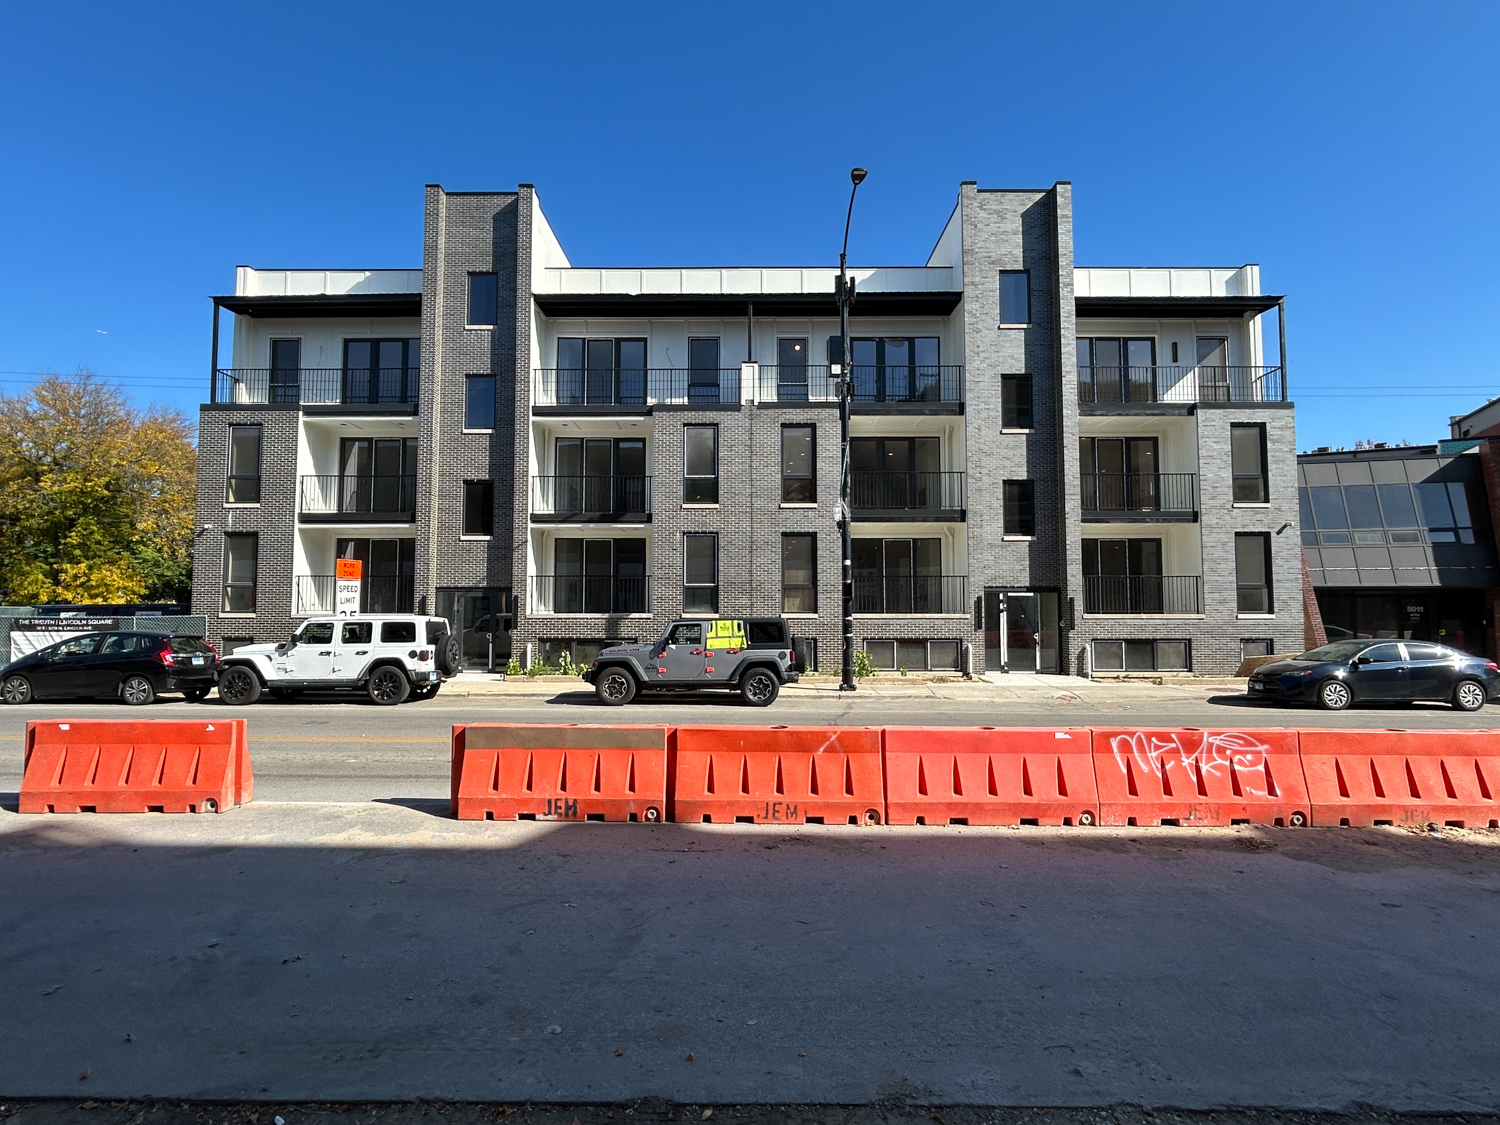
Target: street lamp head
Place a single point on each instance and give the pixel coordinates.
(857, 175)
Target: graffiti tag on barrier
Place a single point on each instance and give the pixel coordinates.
(1216, 754)
(562, 806)
(777, 811)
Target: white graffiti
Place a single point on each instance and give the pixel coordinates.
(1186, 756)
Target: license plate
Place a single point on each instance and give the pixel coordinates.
(197, 660)
(432, 675)
(1257, 687)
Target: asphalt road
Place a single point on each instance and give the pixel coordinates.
(341, 748)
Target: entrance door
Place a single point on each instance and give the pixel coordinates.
(477, 622)
(1020, 631)
(1023, 632)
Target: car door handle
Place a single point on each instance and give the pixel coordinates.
(361, 652)
(326, 652)
(697, 652)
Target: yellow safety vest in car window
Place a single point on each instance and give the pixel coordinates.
(726, 634)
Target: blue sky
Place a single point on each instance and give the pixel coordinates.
(1350, 149)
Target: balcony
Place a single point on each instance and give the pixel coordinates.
(885, 495)
(1113, 386)
(615, 389)
(358, 499)
(313, 594)
(872, 384)
(316, 386)
(577, 593)
(604, 498)
(1139, 497)
(908, 594)
(1142, 594)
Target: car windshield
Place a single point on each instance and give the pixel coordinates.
(1340, 650)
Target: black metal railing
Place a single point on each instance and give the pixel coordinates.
(1180, 383)
(359, 495)
(578, 593)
(924, 492)
(1140, 492)
(590, 495)
(641, 386)
(939, 593)
(378, 593)
(315, 386)
(1142, 593)
(890, 383)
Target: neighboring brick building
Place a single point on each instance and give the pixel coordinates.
(1052, 468)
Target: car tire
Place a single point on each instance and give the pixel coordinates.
(196, 694)
(425, 692)
(1468, 695)
(615, 687)
(137, 691)
(16, 690)
(239, 687)
(759, 687)
(388, 686)
(1334, 695)
(447, 654)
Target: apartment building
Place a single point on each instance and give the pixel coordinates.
(1052, 468)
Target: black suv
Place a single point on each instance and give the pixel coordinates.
(136, 667)
(751, 655)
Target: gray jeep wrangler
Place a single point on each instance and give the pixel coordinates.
(751, 655)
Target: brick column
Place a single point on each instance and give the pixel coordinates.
(1313, 633)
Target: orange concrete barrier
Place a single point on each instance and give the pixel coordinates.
(566, 771)
(1200, 777)
(1366, 777)
(778, 775)
(87, 765)
(985, 775)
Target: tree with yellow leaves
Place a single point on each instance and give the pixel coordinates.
(96, 498)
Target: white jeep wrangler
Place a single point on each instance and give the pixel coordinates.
(389, 656)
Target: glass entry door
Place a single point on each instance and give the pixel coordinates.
(482, 639)
(1023, 632)
(1020, 631)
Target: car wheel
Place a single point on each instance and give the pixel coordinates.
(196, 695)
(137, 691)
(388, 686)
(447, 655)
(16, 689)
(759, 688)
(1334, 695)
(1468, 695)
(239, 687)
(615, 688)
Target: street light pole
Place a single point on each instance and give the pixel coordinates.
(846, 396)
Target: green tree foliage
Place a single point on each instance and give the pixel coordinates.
(96, 498)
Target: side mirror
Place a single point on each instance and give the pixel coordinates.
(1358, 660)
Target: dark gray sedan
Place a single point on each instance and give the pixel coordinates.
(1335, 675)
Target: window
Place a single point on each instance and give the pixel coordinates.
(357, 632)
(700, 464)
(703, 370)
(900, 473)
(1020, 507)
(596, 476)
(596, 576)
(1015, 297)
(1141, 656)
(903, 576)
(484, 299)
(479, 402)
(1015, 402)
(479, 507)
(1252, 647)
(791, 369)
(1415, 651)
(685, 633)
(799, 574)
(316, 633)
(77, 646)
(117, 643)
(389, 567)
(918, 656)
(398, 632)
(286, 371)
(1247, 456)
(599, 371)
(376, 371)
(897, 369)
(1117, 369)
(1382, 654)
(239, 572)
(243, 485)
(799, 483)
(700, 573)
(1252, 566)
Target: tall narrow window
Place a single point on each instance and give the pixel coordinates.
(479, 507)
(286, 371)
(479, 402)
(484, 299)
(791, 369)
(1247, 454)
(703, 369)
(799, 574)
(1015, 297)
(799, 483)
(1015, 402)
(240, 552)
(1252, 566)
(1020, 507)
(243, 484)
(700, 573)
(700, 464)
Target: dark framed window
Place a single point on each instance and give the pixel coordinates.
(484, 299)
(799, 574)
(1251, 647)
(1015, 297)
(1247, 456)
(1141, 656)
(389, 568)
(799, 484)
(1252, 571)
(703, 369)
(243, 483)
(1020, 507)
(596, 576)
(603, 370)
(918, 656)
(479, 507)
(902, 576)
(896, 369)
(286, 371)
(377, 371)
(241, 550)
(1117, 369)
(700, 464)
(1015, 402)
(479, 402)
(700, 573)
